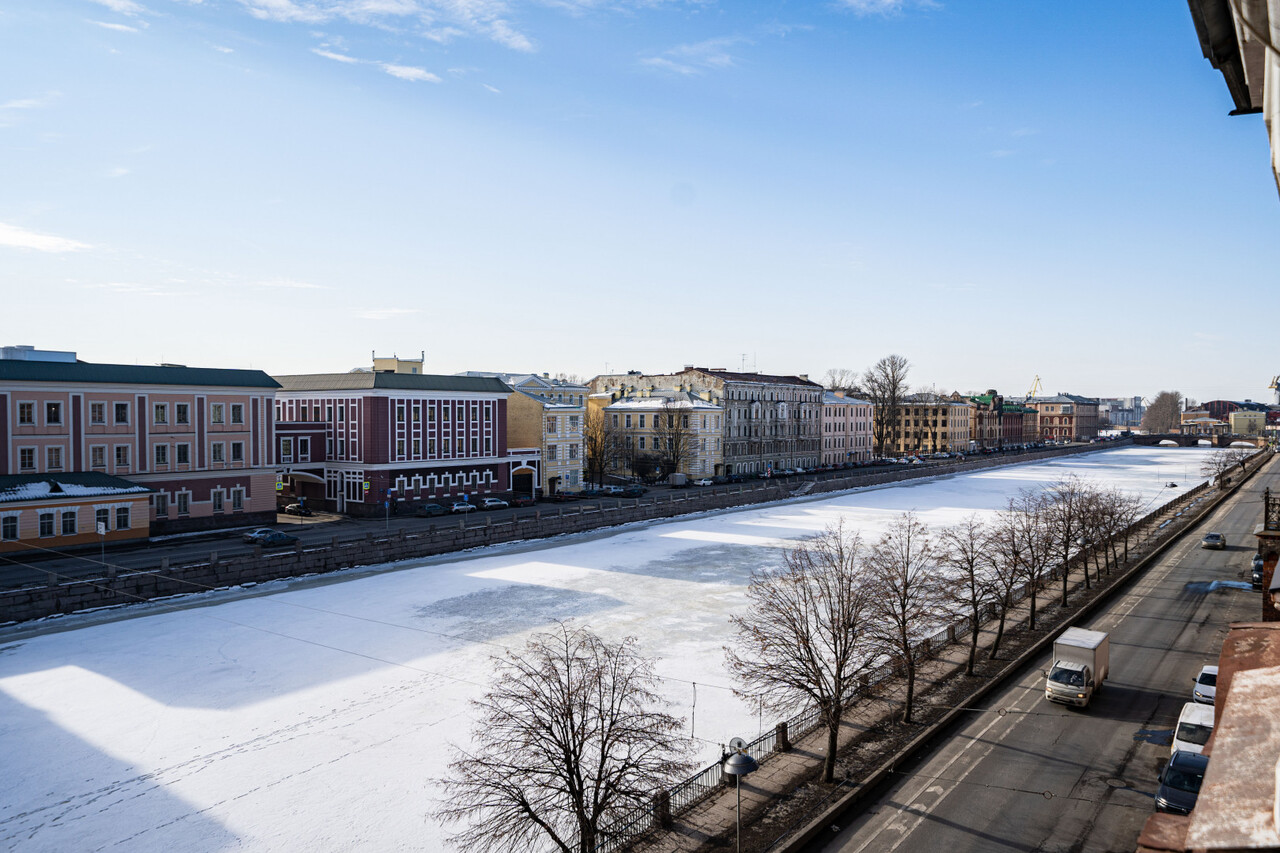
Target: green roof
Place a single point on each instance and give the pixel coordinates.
(13, 370)
(368, 381)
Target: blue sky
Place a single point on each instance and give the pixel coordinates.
(995, 191)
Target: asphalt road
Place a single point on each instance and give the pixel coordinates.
(1023, 774)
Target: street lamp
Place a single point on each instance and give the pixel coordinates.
(738, 765)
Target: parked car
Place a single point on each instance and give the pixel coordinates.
(523, 500)
(612, 490)
(253, 537)
(1180, 782)
(1206, 685)
(1195, 724)
(635, 490)
(1214, 540)
(703, 482)
(461, 506)
(429, 510)
(274, 539)
(493, 503)
(296, 509)
(1255, 571)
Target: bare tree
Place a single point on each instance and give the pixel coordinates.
(673, 436)
(966, 548)
(1033, 543)
(804, 637)
(1219, 465)
(571, 734)
(885, 384)
(1163, 414)
(600, 444)
(907, 595)
(1064, 511)
(571, 378)
(1007, 573)
(842, 379)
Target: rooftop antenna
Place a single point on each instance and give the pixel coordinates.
(743, 368)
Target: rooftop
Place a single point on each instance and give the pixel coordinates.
(29, 487)
(368, 381)
(17, 370)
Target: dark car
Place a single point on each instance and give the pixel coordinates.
(634, 491)
(255, 536)
(430, 510)
(523, 500)
(272, 538)
(1180, 782)
(296, 509)
(1255, 571)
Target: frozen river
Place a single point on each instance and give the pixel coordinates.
(314, 717)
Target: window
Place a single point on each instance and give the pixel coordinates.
(46, 524)
(237, 500)
(9, 528)
(97, 456)
(237, 451)
(97, 413)
(237, 413)
(615, 421)
(181, 413)
(431, 447)
(122, 455)
(642, 442)
(184, 503)
(102, 519)
(573, 451)
(219, 449)
(53, 455)
(183, 452)
(342, 413)
(162, 413)
(417, 447)
(304, 449)
(217, 500)
(27, 413)
(627, 418)
(573, 423)
(551, 426)
(162, 454)
(329, 413)
(551, 452)
(161, 502)
(68, 523)
(488, 447)
(399, 447)
(122, 518)
(27, 458)
(53, 413)
(417, 413)
(286, 449)
(400, 414)
(642, 421)
(216, 413)
(122, 413)
(303, 412)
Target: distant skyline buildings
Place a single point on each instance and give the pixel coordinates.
(580, 187)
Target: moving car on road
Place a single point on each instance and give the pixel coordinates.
(1214, 540)
(253, 537)
(275, 539)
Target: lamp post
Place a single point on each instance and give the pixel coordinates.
(739, 764)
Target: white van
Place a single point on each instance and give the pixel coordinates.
(1195, 724)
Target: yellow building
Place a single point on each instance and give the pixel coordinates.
(657, 432)
(1247, 423)
(932, 423)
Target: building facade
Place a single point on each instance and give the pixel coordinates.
(1066, 417)
(198, 442)
(930, 423)
(658, 432)
(392, 439)
(846, 429)
(770, 422)
(547, 416)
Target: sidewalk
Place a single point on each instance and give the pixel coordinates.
(783, 795)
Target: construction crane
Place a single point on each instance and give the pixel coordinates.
(1275, 386)
(1035, 386)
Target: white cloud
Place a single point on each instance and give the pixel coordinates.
(290, 284)
(121, 28)
(436, 20)
(386, 313)
(502, 32)
(493, 89)
(21, 238)
(337, 57)
(29, 103)
(693, 58)
(118, 172)
(220, 49)
(132, 288)
(884, 7)
(286, 11)
(124, 7)
(408, 72)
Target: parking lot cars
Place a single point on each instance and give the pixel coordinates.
(255, 536)
(296, 509)
(493, 503)
(462, 506)
(1214, 540)
(523, 500)
(634, 491)
(611, 490)
(1206, 685)
(703, 482)
(1180, 782)
(1195, 724)
(429, 510)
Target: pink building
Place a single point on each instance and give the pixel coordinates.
(355, 441)
(846, 429)
(197, 440)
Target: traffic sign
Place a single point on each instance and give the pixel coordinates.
(366, 485)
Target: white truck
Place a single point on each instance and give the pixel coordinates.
(1081, 660)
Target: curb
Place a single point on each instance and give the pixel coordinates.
(847, 802)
